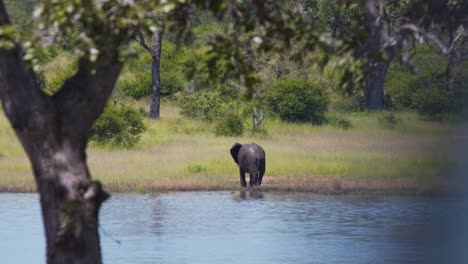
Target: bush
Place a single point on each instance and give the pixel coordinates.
(388, 120)
(340, 122)
(138, 87)
(436, 104)
(353, 103)
(118, 126)
(171, 72)
(400, 85)
(141, 86)
(205, 105)
(298, 100)
(171, 82)
(230, 126)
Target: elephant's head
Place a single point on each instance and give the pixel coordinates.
(235, 151)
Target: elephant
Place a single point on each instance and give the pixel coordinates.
(251, 159)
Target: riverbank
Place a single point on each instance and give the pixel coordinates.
(176, 154)
(313, 184)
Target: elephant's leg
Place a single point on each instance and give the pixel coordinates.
(253, 179)
(242, 178)
(261, 172)
(259, 178)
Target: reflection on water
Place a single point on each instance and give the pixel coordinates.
(238, 227)
(244, 195)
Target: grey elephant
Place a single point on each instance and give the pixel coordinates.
(251, 159)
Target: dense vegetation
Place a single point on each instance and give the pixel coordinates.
(292, 90)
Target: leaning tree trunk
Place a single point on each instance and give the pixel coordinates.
(156, 75)
(54, 132)
(374, 89)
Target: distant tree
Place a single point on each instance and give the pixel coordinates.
(154, 48)
(152, 42)
(378, 32)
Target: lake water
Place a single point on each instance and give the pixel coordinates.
(227, 227)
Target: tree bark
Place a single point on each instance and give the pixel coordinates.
(155, 104)
(156, 75)
(155, 51)
(54, 132)
(256, 119)
(375, 80)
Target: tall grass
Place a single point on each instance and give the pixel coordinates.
(180, 154)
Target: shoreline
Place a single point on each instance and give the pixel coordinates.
(315, 184)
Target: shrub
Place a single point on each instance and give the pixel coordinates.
(353, 103)
(340, 122)
(118, 126)
(388, 120)
(139, 87)
(436, 104)
(171, 83)
(171, 72)
(399, 86)
(231, 125)
(298, 100)
(205, 105)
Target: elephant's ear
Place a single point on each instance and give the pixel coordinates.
(235, 151)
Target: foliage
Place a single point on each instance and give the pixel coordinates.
(436, 104)
(139, 86)
(388, 120)
(354, 103)
(55, 81)
(340, 122)
(21, 12)
(298, 100)
(196, 70)
(230, 125)
(205, 105)
(204, 29)
(172, 83)
(429, 94)
(399, 86)
(171, 72)
(119, 126)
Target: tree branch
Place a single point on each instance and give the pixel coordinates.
(25, 105)
(140, 38)
(83, 96)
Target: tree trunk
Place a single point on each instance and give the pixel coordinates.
(70, 203)
(257, 120)
(54, 132)
(374, 90)
(156, 75)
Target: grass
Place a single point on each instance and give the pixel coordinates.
(180, 154)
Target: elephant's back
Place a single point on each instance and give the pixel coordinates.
(251, 156)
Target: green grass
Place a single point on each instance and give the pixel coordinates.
(180, 154)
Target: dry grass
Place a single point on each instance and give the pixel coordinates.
(179, 154)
